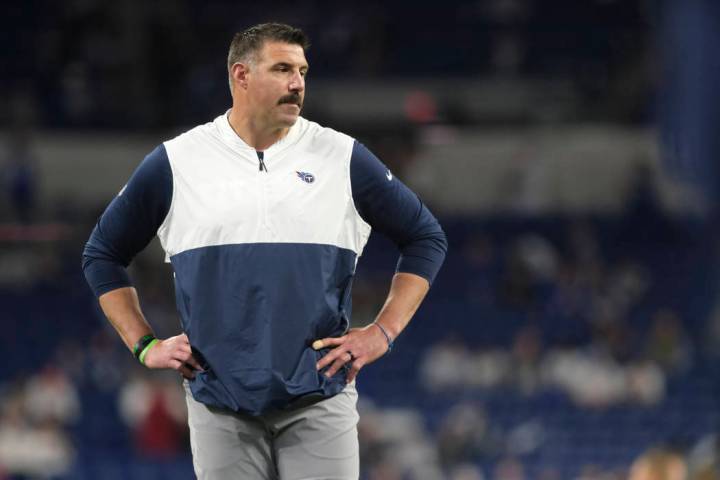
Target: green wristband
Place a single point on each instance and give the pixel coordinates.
(146, 350)
(141, 344)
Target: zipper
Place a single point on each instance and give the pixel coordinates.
(263, 179)
(261, 162)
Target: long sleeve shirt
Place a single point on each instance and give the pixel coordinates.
(263, 247)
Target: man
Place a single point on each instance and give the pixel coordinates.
(263, 216)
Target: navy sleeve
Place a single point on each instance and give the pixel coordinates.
(393, 209)
(128, 224)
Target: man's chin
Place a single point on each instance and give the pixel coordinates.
(288, 120)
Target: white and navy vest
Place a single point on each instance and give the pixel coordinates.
(263, 248)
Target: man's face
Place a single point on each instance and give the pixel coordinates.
(276, 84)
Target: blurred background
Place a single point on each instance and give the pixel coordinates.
(569, 148)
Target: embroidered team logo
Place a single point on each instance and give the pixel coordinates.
(306, 177)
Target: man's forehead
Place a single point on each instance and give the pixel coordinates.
(274, 52)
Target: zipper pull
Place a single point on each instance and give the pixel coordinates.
(261, 164)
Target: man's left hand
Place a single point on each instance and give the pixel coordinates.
(360, 346)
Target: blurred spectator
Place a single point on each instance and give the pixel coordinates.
(465, 435)
(571, 297)
(384, 470)
(485, 368)
(444, 365)
(531, 269)
(704, 458)
(595, 380)
(658, 464)
(36, 450)
(509, 469)
(592, 379)
(667, 343)
(394, 444)
(527, 350)
(595, 472)
(466, 471)
(645, 383)
(625, 285)
(538, 256)
(154, 409)
(549, 473)
(612, 336)
(373, 447)
(526, 438)
(52, 398)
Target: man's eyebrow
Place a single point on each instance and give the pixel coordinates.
(290, 65)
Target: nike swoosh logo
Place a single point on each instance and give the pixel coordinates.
(389, 175)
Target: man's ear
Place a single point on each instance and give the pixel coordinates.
(239, 73)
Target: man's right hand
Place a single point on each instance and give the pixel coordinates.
(175, 353)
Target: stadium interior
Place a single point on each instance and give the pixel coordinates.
(567, 148)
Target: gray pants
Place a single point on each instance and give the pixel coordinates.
(317, 442)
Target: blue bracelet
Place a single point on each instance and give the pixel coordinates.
(390, 341)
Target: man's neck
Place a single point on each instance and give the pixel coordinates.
(256, 136)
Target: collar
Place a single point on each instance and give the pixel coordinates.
(228, 134)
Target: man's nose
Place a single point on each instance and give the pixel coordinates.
(297, 83)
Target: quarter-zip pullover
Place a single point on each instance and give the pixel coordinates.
(263, 246)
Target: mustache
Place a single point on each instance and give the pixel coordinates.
(293, 98)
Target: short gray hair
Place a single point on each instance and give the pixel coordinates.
(246, 44)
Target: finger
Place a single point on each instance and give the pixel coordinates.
(337, 365)
(329, 342)
(187, 358)
(186, 372)
(180, 367)
(354, 370)
(194, 363)
(184, 354)
(184, 338)
(328, 359)
(185, 347)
